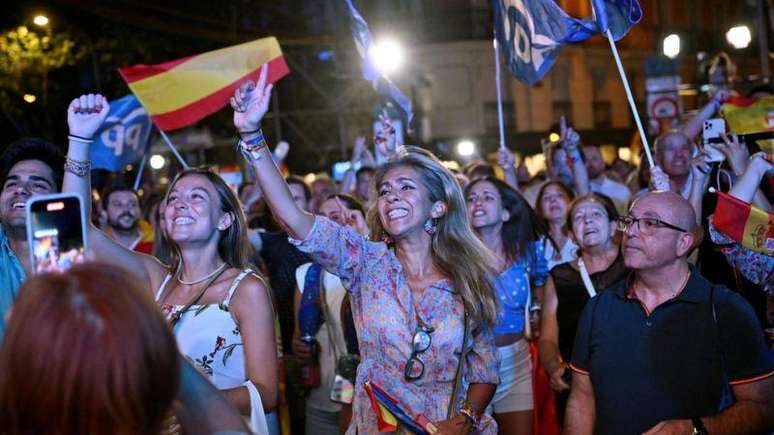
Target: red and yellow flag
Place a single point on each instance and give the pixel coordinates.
(745, 115)
(180, 92)
(385, 420)
(748, 225)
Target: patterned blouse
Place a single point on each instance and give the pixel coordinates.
(384, 314)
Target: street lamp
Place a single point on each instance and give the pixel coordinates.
(40, 20)
(739, 37)
(671, 46)
(30, 98)
(157, 161)
(387, 55)
(466, 148)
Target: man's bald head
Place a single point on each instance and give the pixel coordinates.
(672, 208)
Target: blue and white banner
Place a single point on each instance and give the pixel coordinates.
(383, 85)
(123, 137)
(530, 32)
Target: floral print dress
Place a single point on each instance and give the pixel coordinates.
(385, 318)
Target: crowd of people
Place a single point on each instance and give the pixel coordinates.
(592, 298)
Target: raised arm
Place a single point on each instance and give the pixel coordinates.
(84, 117)
(507, 162)
(348, 183)
(250, 103)
(570, 140)
(700, 170)
(693, 126)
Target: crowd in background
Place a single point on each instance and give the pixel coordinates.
(591, 296)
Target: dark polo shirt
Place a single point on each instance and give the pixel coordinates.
(672, 363)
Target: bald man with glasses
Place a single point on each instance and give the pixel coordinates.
(657, 353)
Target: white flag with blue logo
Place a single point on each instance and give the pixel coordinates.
(530, 32)
(123, 137)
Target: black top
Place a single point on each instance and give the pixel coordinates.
(282, 259)
(672, 363)
(572, 296)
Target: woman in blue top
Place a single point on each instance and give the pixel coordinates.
(507, 225)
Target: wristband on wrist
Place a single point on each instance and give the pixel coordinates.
(251, 148)
(258, 130)
(470, 416)
(80, 139)
(80, 168)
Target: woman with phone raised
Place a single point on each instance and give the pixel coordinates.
(220, 310)
(412, 289)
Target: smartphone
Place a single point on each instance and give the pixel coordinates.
(713, 129)
(56, 232)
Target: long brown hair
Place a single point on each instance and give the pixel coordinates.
(233, 247)
(86, 352)
(456, 250)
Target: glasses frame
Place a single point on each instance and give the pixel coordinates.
(625, 222)
(421, 334)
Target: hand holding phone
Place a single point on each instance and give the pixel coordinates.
(56, 226)
(713, 128)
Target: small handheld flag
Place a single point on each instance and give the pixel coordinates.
(183, 91)
(748, 225)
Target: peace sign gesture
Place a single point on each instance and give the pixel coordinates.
(251, 101)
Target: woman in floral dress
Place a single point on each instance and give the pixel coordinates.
(410, 289)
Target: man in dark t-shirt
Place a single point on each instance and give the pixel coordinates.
(654, 354)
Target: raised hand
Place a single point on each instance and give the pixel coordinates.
(701, 168)
(506, 159)
(86, 114)
(251, 101)
(736, 153)
(569, 138)
(386, 140)
(659, 180)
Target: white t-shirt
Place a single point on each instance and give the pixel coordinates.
(618, 192)
(319, 398)
(567, 252)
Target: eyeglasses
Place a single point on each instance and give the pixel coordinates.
(646, 226)
(415, 368)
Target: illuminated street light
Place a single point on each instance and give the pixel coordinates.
(672, 46)
(466, 148)
(554, 137)
(157, 161)
(29, 98)
(739, 36)
(40, 20)
(387, 56)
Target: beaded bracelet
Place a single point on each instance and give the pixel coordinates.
(470, 416)
(80, 168)
(251, 148)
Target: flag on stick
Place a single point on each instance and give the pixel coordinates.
(123, 137)
(183, 91)
(530, 32)
(383, 85)
(748, 225)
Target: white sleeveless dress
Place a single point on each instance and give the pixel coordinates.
(209, 337)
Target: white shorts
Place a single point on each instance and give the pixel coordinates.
(515, 390)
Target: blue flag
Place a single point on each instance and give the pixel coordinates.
(530, 32)
(381, 84)
(123, 137)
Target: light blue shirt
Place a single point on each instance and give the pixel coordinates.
(513, 287)
(11, 278)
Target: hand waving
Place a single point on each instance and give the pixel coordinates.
(251, 101)
(569, 138)
(86, 114)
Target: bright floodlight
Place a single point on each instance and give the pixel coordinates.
(672, 46)
(40, 20)
(466, 148)
(554, 137)
(157, 161)
(739, 36)
(387, 55)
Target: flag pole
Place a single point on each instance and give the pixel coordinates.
(174, 150)
(630, 97)
(499, 95)
(139, 172)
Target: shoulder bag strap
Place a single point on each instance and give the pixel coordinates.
(584, 273)
(458, 375)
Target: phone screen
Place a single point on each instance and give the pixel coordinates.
(55, 233)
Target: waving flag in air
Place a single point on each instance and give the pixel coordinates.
(531, 32)
(748, 225)
(381, 84)
(183, 91)
(123, 137)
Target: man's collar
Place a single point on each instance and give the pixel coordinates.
(692, 292)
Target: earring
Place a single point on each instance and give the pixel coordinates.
(431, 226)
(387, 239)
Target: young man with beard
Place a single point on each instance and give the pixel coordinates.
(29, 167)
(124, 222)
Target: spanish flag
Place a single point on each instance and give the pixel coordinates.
(745, 115)
(183, 91)
(748, 225)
